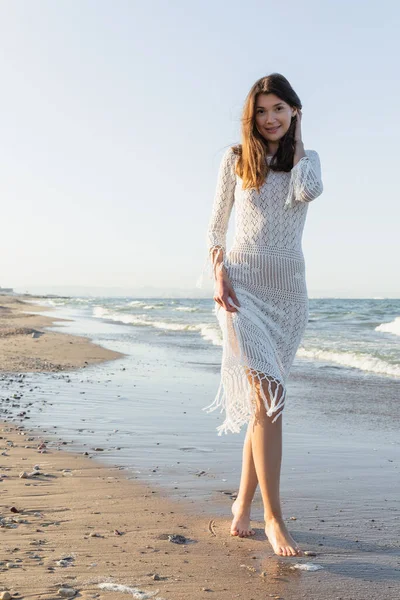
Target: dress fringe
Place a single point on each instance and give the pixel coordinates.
(237, 397)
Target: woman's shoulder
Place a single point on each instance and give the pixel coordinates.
(233, 151)
(229, 157)
(237, 149)
(311, 153)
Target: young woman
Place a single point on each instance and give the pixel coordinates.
(260, 288)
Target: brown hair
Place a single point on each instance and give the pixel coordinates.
(252, 166)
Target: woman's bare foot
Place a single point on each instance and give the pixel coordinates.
(241, 520)
(280, 539)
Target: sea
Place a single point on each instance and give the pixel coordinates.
(359, 334)
(145, 409)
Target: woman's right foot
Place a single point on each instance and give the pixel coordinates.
(280, 539)
(241, 520)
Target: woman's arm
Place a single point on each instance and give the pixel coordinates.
(221, 210)
(305, 179)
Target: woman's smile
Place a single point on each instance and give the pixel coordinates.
(273, 129)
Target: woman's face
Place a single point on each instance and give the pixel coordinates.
(273, 116)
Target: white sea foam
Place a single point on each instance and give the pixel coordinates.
(211, 333)
(126, 589)
(100, 312)
(207, 331)
(187, 308)
(307, 566)
(364, 362)
(392, 327)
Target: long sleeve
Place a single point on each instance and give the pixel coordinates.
(305, 180)
(221, 210)
(223, 202)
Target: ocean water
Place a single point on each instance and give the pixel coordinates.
(361, 334)
(145, 408)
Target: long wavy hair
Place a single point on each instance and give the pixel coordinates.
(251, 165)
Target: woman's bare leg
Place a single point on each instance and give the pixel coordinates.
(248, 485)
(266, 439)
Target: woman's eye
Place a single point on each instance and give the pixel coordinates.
(260, 110)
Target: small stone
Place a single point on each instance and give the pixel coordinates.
(24, 475)
(67, 592)
(177, 539)
(99, 449)
(156, 577)
(5, 596)
(35, 473)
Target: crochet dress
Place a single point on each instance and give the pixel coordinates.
(266, 268)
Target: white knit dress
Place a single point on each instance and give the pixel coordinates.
(267, 270)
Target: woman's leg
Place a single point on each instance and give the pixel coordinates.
(248, 485)
(266, 439)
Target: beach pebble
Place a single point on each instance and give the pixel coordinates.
(65, 561)
(67, 592)
(177, 539)
(309, 553)
(24, 475)
(5, 596)
(35, 473)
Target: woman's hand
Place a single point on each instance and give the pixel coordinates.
(224, 291)
(297, 132)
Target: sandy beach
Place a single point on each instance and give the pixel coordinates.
(26, 344)
(70, 522)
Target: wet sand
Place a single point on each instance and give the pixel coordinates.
(26, 345)
(74, 521)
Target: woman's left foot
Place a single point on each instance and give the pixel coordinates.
(280, 539)
(241, 520)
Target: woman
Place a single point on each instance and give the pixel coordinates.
(260, 288)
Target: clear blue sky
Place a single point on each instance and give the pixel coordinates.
(115, 115)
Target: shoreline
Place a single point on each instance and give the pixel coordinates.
(106, 527)
(70, 522)
(27, 345)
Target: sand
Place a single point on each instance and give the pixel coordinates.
(27, 346)
(72, 522)
(105, 528)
